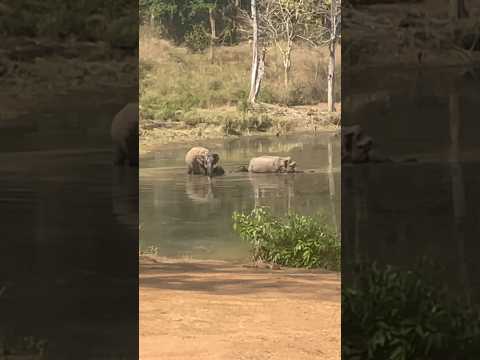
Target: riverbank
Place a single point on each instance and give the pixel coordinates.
(220, 310)
(37, 73)
(212, 124)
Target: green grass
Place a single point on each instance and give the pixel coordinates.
(296, 240)
(395, 314)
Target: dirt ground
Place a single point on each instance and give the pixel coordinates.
(212, 310)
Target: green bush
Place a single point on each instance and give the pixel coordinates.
(197, 39)
(297, 241)
(395, 314)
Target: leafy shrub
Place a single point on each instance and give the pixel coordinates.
(298, 241)
(394, 314)
(231, 126)
(258, 123)
(197, 39)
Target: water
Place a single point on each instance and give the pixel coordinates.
(185, 215)
(399, 213)
(68, 220)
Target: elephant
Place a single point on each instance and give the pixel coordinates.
(201, 161)
(271, 164)
(124, 132)
(357, 147)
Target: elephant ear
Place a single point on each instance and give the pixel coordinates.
(216, 159)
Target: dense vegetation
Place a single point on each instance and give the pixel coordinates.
(394, 314)
(90, 20)
(296, 240)
(178, 76)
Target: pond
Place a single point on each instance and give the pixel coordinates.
(184, 215)
(69, 231)
(399, 213)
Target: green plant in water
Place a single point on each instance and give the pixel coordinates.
(296, 240)
(395, 314)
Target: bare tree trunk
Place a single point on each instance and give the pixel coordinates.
(152, 20)
(213, 39)
(458, 190)
(457, 9)
(331, 78)
(331, 62)
(261, 72)
(255, 56)
(287, 64)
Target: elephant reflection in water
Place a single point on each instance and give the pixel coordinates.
(125, 196)
(272, 189)
(201, 191)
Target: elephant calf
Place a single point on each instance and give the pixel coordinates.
(271, 164)
(201, 161)
(124, 133)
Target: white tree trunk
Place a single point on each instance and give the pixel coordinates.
(331, 62)
(213, 29)
(331, 78)
(255, 56)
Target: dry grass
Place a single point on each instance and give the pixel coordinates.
(174, 80)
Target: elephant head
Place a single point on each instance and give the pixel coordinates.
(288, 164)
(356, 146)
(211, 160)
(201, 161)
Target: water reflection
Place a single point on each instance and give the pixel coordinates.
(397, 213)
(68, 220)
(191, 215)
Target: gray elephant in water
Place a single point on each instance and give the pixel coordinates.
(357, 147)
(201, 161)
(124, 133)
(271, 164)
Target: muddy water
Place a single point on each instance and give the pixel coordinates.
(185, 215)
(399, 213)
(68, 220)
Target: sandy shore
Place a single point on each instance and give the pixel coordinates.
(217, 310)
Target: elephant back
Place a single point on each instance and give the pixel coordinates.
(265, 164)
(195, 152)
(125, 122)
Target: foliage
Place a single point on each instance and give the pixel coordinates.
(247, 123)
(298, 241)
(197, 39)
(177, 18)
(81, 19)
(394, 314)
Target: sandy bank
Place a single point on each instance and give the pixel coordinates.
(218, 310)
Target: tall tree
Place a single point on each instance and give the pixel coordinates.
(458, 9)
(258, 56)
(332, 47)
(285, 22)
(326, 32)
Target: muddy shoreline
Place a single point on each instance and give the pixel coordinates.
(299, 120)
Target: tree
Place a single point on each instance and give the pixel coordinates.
(258, 56)
(327, 32)
(458, 9)
(334, 21)
(285, 22)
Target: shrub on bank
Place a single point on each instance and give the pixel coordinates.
(296, 240)
(395, 314)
